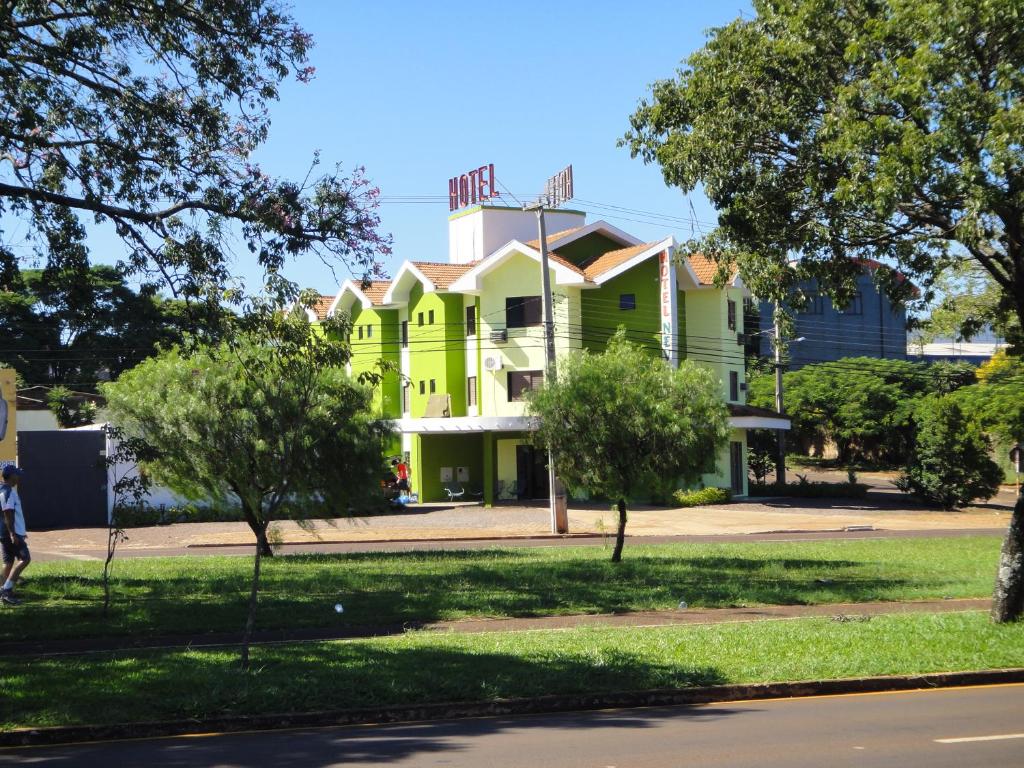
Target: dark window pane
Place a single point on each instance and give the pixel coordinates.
(423, 387)
(405, 333)
(523, 311)
(430, 317)
(627, 301)
(433, 386)
(521, 382)
(732, 315)
(419, 319)
(734, 386)
(470, 321)
(471, 390)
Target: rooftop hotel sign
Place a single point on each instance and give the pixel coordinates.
(476, 186)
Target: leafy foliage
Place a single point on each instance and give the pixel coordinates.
(762, 447)
(77, 324)
(702, 497)
(864, 404)
(844, 130)
(622, 422)
(70, 409)
(997, 400)
(146, 116)
(270, 422)
(951, 465)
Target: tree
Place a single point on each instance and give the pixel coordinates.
(272, 424)
(950, 465)
(970, 302)
(73, 325)
(865, 405)
(761, 454)
(836, 129)
(622, 423)
(146, 115)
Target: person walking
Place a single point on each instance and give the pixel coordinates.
(13, 534)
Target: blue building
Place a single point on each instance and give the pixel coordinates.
(869, 326)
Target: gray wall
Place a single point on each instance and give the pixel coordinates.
(878, 330)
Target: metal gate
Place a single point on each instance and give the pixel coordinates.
(65, 483)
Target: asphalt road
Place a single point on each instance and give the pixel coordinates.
(935, 728)
(43, 555)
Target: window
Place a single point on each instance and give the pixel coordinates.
(627, 301)
(405, 398)
(523, 311)
(360, 331)
(734, 386)
(369, 331)
(419, 319)
(731, 306)
(470, 321)
(433, 386)
(430, 317)
(855, 307)
(405, 334)
(423, 387)
(521, 382)
(471, 391)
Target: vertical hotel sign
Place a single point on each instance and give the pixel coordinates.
(8, 413)
(669, 316)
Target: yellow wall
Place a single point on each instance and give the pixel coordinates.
(524, 351)
(709, 341)
(8, 445)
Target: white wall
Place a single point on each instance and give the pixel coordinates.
(478, 232)
(36, 421)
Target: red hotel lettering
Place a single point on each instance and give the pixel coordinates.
(476, 186)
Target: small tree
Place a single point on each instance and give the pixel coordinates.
(761, 452)
(622, 423)
(270, 421)
(950, 465)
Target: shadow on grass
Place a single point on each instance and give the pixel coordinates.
(321, 677)
(303, 591)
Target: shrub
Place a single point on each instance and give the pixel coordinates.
(702, 497)
(950, 464)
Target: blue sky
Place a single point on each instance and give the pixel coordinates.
(420, 92)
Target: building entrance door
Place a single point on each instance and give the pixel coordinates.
(736, 467)
(531, 473)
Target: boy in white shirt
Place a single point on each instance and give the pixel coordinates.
(12, 534)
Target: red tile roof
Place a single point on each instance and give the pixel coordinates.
(322, 305)
(612, 259)
(375, 291)
(706, 268)
(553, 238)
(442, 274)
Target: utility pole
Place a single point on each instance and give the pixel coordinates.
(559, 189)
(780, 460)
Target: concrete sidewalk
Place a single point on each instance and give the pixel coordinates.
(882, 510)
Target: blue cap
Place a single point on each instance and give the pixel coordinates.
(12, 471)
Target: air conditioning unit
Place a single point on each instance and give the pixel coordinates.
(493, 363)
(499, 336)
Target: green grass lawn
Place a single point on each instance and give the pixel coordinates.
(423, 667)
(199, 594)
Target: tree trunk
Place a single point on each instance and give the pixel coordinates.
(250, 622)
(620, 535)
(1008, 600)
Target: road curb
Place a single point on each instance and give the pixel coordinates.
(506, 707)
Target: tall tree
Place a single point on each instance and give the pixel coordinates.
(623, 423)
(73, 326)
(834, 129)
(145, 114)
(272, 423)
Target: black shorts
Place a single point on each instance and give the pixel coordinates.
(403, 484)
(16, 550)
